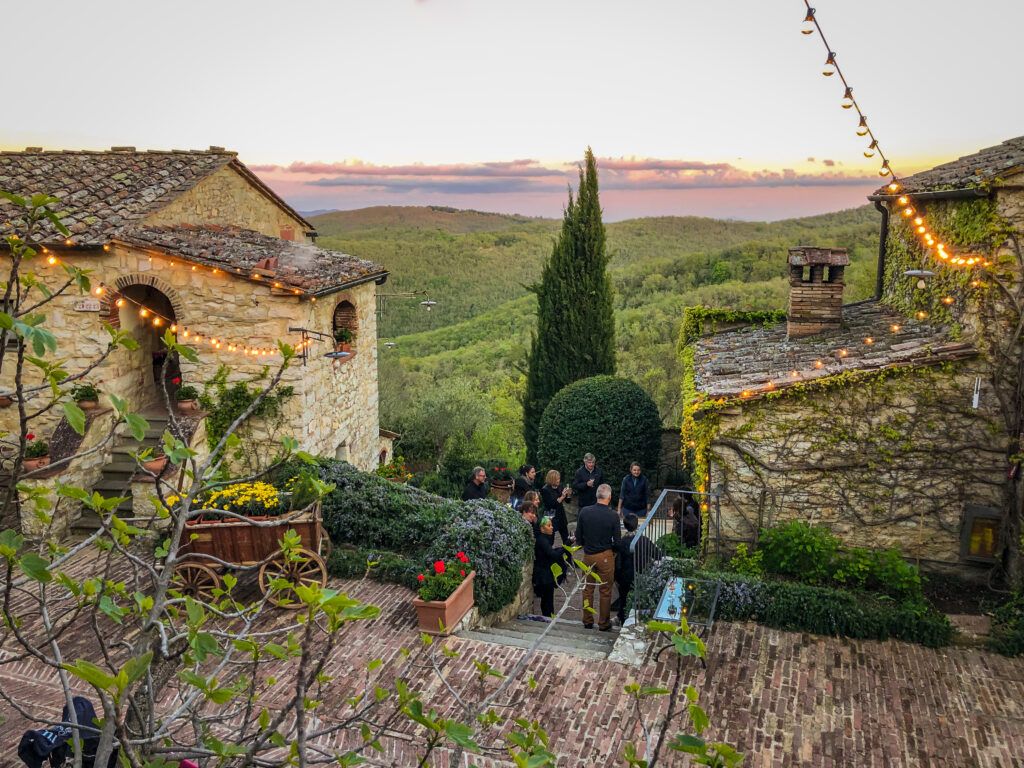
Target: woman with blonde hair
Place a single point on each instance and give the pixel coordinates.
(554, 495)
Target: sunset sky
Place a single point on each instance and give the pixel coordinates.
(693, 107)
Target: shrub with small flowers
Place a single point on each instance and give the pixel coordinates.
(442, 579)
(395, 470)
(36, 449)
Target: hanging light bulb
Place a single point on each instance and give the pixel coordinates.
(870, 151)
(51, 260)
(143, 312)
(885, 170)
(862, 126)
(119, 303)
(903, 200)
(894, 187)
(847, 101)
(908, 212)
(919, 221)
(98, 290)
(807, 28)
(157, 322)
(830, 65)
(174, 328)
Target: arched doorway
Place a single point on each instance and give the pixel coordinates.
(147, 313)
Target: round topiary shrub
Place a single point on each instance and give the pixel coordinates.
(612, 418)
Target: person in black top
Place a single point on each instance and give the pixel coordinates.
(522, 484)
(690, 527)
(634, 495)
(476, 488)
(585, 483)
(630, 562)
(554, 494)
(598, 531)
(545, 554)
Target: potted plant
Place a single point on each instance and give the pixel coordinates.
(343, 338)
(445, 595)
(6, 401)
(156, 463)
(37, 453)
(257, 500)
(87, 396)
(501, 480)
(187, 396)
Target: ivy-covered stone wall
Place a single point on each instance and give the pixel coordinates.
(885, 459)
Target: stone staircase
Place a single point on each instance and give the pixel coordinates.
(117, 474)
(567, 636)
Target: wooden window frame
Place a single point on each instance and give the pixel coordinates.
(974, 512)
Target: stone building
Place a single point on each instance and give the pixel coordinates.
(195, 242)
(887, 419)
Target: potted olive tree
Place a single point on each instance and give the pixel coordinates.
(445, 595)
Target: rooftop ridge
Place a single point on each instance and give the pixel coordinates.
(213, 150)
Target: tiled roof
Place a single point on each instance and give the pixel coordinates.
(975, 170)
(294, 265)
(102, 192)
(754, 359)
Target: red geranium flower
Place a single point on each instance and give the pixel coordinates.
(462, 573)
(439, 566)
(461, 557)
(30, 436)
(421, 577)
(176, 380)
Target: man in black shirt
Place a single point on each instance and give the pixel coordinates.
(629, 563)
(586, 480)
(598, 532)
(476, 488)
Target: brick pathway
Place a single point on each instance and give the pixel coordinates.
(784, 699)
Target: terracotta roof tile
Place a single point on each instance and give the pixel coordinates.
(976, 170)
(753, 358)
(102, 191)
(295, 265)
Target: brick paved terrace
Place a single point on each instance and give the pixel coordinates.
(784, 699)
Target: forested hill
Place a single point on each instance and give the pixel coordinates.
(477, 267)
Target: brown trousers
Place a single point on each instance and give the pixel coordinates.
(603, 565)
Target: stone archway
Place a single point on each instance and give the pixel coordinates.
(110, 313)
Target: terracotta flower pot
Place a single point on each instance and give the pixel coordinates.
(34, 464)
(187, 405)
(88, 405)
(433, 614)
(343, 346)
(502, 490)
(155, 465)
(5, 401)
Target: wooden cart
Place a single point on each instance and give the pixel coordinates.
(243, 543)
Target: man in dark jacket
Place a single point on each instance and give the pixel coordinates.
(634, 494)
(476, 488)
(585, 483)
(598, 532)
(631, 560)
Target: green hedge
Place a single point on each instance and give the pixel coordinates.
(806, 608)
(406, 529)
(1007, 635)
(613, 418)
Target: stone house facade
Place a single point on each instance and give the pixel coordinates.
(886, 420)
(195, 242)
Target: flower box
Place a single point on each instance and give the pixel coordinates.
(440, 617)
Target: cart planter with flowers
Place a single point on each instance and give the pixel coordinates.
(445, 595)
(217, 543)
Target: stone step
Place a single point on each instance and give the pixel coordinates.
(567, 628)
(526, 640)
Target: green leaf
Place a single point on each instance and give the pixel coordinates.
(204, 644)
(136, 425)
(90, 673)
(460, 733)
(35, 567)
(75, 417)
(136, 667)
(699, 718)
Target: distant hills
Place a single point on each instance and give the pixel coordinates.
(477, 267)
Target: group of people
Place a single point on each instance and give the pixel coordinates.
(604, 549)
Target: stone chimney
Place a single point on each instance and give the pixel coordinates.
(815, 290)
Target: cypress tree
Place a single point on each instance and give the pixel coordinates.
(575, 336)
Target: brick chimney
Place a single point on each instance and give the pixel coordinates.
(815, 290)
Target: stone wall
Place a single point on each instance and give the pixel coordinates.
(335, 402)
(890, 462)
(226, 198)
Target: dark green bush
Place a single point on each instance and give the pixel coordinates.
(406, 529)
(806, 608)
(811, 554)
(610, 417)
(1007, 635)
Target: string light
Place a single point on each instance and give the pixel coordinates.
(810, 25)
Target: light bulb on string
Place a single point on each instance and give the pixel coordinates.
(807, 28)
(847, 101)
(119, 303)
(885, 170)
(862, 126)
(919, 221)
(143, 312)
(870, 151)
(894, 187)
(830, 65)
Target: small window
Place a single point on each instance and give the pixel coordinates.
(980, 538)
(345, 327)
(341, 452)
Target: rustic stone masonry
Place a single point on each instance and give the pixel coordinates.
(816, 290)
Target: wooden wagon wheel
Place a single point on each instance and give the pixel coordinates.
(195, 580)
(304, 567)
(326, 545)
